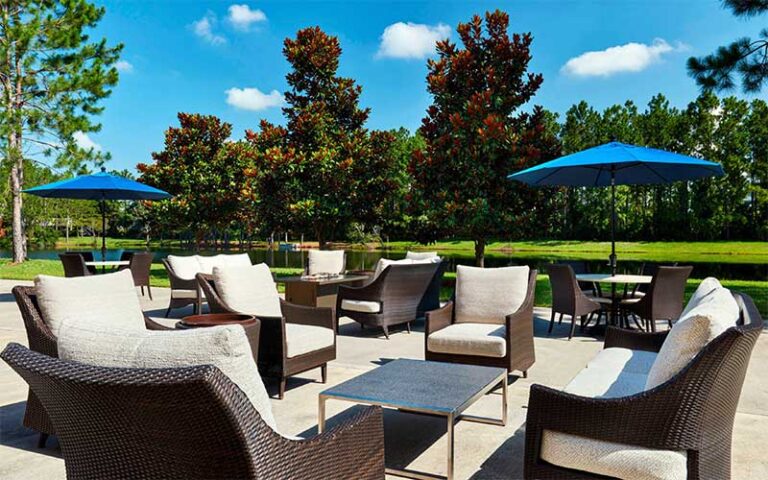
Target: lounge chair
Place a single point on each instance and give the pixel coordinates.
(294, 338)
(489, 322)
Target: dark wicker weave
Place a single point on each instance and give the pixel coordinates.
(664, 299)
(399, 289)
(41, 339)
(184, 423)
(179, 285)
(74, 265)
(520, 353)
(693, 411)
(431, 298)
(568, 298)
(273, 347)
(140, 266)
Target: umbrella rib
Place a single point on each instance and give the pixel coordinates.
(538, 182)
(662, 177)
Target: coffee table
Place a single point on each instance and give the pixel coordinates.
(417, 386)
(317, 292)
(249, 323)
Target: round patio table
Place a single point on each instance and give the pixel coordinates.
(248, 322)
(108, 263)
(614, 280)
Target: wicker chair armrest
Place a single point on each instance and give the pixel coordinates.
(304, 315)
(153, 325)
(438, 319)
(370, 291)
(646, 419)
(620, 337)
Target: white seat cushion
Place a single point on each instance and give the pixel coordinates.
(422, 256)
(714, 313)
(225, 347)
(108, 301)
(363, 306)
(614, 372)
(248, 290)
(483, 339)
(184, 267)
(488, 295)
(303, 339)
(326, 261)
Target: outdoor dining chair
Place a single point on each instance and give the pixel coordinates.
(74, 265)
(569, 299)
(663, 300)
(140, 265)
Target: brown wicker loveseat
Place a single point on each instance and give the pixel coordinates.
(42, 340)
(691, 413)
(184, 423)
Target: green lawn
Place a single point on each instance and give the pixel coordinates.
(758, 290)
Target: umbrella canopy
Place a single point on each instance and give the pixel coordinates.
(614, 164)
(630, 165)
(100, 186)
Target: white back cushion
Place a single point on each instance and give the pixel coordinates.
(715, 313)
(207, 262)
(248, 290)
(225, 347)
(487, 295)
(385, 262)
(706, 286)
(326, 261)
(233, 260)
(421, 255)
(106, 301)
(184, 267)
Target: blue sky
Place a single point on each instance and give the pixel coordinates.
(186, 56)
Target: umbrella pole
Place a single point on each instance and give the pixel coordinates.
(103, 234)
(612, 258)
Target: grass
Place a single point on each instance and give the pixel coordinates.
(756, 289)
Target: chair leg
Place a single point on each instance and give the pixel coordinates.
(142, 290)
(149, 291)
(386, 331)
(324, 372)
(573, 326)
(525, 373)
(42, 440)
(560, 320)
(408, 326)
(281, 391)
(551, 322)
(168, 312)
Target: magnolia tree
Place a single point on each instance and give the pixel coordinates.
(476, 134)
(323, 169)
(203, 172)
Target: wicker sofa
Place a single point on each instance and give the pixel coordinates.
(108, 426)
(281, 329)
(609, 423)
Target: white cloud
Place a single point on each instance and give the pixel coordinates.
(124, 66)
(241, 16)
(253, 99)
(203, 28)
(84, 141)
(411, 40)
(631, 57)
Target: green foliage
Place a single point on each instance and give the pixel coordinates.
(203, 172)
(744, 57)
(476, 134)
(323, 170)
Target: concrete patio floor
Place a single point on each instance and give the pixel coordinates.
(413, 441)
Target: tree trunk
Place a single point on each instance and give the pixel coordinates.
(480, 252)
(17, 182)
(320, 235)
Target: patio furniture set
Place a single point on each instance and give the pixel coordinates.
(650, 405)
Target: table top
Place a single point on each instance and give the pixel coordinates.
(108, 263)
(431, 387)
(618, 278)
(322, 281)
(213, 319)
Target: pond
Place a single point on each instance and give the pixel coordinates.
(366, 260)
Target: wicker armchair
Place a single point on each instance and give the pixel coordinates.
(663, 299)
(183, 292)
(431, 298)
(692, 412)
(518, 335)
(390, 299)
(41, 339)
(110, 428)
(273, 357)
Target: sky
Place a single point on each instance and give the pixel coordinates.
(225, 58)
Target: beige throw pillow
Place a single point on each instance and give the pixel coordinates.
(250, 290)
(714, 313)
(107, 301)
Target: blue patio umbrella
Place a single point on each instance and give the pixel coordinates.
(100, 187)
(614, 164)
